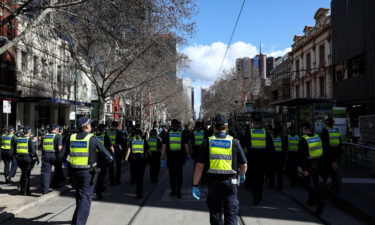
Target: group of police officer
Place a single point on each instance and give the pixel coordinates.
(221, 161)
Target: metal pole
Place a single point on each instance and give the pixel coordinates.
(7, 120)
(75, 100)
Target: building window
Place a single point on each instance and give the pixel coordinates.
(322, 87)
(297, 67)
(357, 66)
(308, 62)
(24, 57)
(59, 74)
(308, 89)
(36, 65)
(339, 75)
(322, 55)
(45, 68)
(108, 108)
(297, 91)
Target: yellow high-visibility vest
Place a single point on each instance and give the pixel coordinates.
(334, 137)
(153, 143)
(221, 159)
(258, 138)
(315, 146)
(293, 143)
(79, 152)
(138, 146)
(6, 141)
(198, 137)
(23, 145)
(277, 144)
(112, 135)
(175, 140)
(48, 145)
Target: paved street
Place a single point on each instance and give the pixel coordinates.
(121, 207)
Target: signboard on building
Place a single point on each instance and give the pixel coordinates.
(249, 107)
(339, 116)
(7, 106)
(72, 116)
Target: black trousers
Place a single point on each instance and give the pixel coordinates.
(26, 165)
(333, 174)
(100, 184)
(277, 171)
(8, 158)
(257, 169)
(311, 183)
(222, 198)
(49, 160)
(176, 177)
(291, 168)
(81, 180)
(155, 166)
(116, 166)
(139, 166)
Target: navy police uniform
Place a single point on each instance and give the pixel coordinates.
(155, 146)
(84, 150)
(119, 143)
(222, 188)
(103, 165)
(51, 144)
(8, 150)
(138, 160)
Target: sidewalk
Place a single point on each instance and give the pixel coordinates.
(357, 197)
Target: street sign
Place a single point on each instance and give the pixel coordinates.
(72, 116)
(7, 107)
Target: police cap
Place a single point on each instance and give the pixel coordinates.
(220, 120)
(83, 121)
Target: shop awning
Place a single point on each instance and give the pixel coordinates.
(55, 100)
(302, 101)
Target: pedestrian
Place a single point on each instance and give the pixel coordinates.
(84, 150)
(331, 139)
(102, 162)
(26, 159)
(310, 151)
(137, 154)
(199, 135)
(8, 150)
(259, 145)
(52, 146)
(175, 149)
(291, 166)
(226, 160)
(119, 143)
(277, 161)
(155, 144)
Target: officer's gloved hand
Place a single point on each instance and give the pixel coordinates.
(163, 163)
(110, 159)
(37, 161)
(242, 178)
(196, 193)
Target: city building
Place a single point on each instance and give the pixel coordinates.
(280, 79)
(311, 59)
(49, 89)
(353, 58)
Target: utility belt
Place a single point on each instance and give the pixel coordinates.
(92, 166)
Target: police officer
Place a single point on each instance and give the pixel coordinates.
(198, 138)
(119, 143)
(8, 149)
(82, 149)
(292, 139)
(277, 161)
(52, 145)
(26, 158)
(137, 154)
(224, 155)
(102, 162)
(176, 148)
(331, 139)
(311, 154)
(155, 144)
(259, 144)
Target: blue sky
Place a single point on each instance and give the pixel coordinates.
(272, 22)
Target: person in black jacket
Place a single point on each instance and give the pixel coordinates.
(137, 154)
(332, 153)
(155, 145)
(8, 150)
(26, 158)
